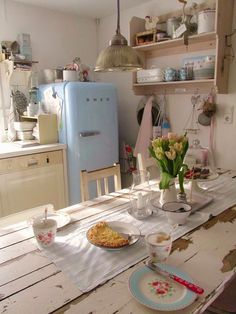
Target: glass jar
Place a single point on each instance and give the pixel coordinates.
(140, 195)
(199, 161)
(172, 24)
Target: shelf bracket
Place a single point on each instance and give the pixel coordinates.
(228, 44)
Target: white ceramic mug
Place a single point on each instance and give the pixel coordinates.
(44, 231)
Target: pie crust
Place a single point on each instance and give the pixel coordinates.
(101, 234)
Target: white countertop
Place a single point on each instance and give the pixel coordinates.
(8, 150)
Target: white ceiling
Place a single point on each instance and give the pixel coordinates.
(85, 8)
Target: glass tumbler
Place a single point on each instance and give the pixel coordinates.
(140, 194)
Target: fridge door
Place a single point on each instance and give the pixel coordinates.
(91, 129)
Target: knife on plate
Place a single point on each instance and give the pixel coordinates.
(180, 280)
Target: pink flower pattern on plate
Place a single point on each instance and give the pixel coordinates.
(161, 288)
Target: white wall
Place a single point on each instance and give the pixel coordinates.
(56, 38)
(179, 106)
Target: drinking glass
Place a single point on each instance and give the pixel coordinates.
(140, 194)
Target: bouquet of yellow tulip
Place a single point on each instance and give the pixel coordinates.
(170, 152)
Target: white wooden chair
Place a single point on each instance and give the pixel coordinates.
(149, 164)
(101, 177)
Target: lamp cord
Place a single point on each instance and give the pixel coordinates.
(118, 17)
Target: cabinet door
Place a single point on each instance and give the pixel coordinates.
(32, 188)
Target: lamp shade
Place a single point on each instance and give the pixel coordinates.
(118, 56)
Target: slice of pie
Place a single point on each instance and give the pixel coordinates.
(102, 234)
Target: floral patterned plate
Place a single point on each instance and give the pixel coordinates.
(158, 292)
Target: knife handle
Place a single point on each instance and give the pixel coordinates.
(188, 284)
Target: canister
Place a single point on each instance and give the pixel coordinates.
(70, 76)
(172, 24)
(206, 21)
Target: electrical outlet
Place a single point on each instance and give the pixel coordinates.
(228, 117)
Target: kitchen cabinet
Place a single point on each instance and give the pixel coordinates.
(214, 41)
(33, 180)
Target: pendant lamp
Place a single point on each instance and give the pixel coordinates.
(118, 56)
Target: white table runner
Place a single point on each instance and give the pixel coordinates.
(88, 266)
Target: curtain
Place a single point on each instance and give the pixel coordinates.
(6, 69)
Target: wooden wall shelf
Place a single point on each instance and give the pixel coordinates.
(25, 61)
(175, 87)
(214, 41)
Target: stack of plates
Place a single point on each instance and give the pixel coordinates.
(203, 74)
(24, 130)
(150, 75)
(203, 66)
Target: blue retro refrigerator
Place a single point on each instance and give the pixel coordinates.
(88, 126)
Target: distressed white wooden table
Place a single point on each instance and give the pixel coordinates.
(31, 283)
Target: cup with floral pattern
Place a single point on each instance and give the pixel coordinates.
(159, 245)
(45, 231)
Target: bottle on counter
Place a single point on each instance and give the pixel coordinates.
(40, 109)
(32, 109)
(165, 126)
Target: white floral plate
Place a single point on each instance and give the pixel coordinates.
(62, 219)
(160, 293)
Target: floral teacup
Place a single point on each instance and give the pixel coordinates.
(45, 231)
(158, 245)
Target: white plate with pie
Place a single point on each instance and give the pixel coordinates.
(109, 239)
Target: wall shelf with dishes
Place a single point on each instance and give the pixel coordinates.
(23, 65)
(208, 45)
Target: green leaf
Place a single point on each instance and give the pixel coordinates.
(181, 175)
(177, 165)
(165, 180)
(185, 148)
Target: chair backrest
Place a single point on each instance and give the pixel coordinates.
(149, 164)
(101, 177)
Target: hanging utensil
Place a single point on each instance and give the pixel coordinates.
(192, 121)
(20, 102)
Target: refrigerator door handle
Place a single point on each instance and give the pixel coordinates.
(88, 133)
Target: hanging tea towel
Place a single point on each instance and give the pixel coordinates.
(145, 131)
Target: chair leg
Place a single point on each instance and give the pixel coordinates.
(212, 310)
(226, 301)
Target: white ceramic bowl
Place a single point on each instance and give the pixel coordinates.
(177, 212)
(25, 135)
(24, 126)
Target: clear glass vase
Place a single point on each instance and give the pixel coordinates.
(140, 195)
(170, 194)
